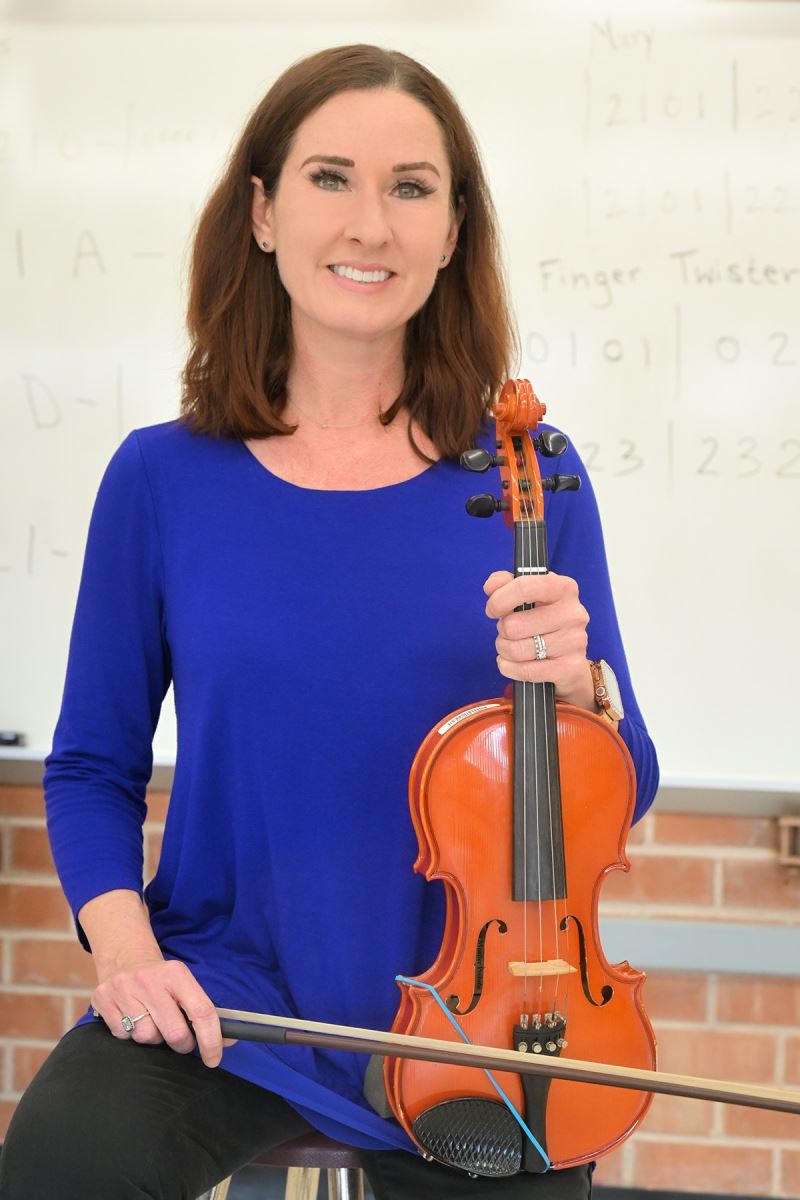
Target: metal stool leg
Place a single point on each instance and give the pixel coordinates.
(345, 1183)
(218, 1192)
(302, 1183)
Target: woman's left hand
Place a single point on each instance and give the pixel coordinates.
(558, 623)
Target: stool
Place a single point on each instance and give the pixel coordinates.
(305, 1157)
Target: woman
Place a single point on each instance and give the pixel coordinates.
(293, 554)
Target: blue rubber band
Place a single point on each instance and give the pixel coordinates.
(528, 1133)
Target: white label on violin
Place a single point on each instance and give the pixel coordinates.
(462, 716)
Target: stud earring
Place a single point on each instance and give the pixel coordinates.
(265, 245)
(443, 258)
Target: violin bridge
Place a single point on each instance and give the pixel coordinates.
(537, 970)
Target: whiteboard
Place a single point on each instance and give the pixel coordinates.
(645, 162)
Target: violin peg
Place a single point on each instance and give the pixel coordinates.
(551, 443)
(561, 483)
(485, 505)
(480, 460)
(476, 460)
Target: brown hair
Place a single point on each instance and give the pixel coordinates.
(457, 347)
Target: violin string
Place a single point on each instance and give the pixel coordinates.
(561, 903)
(526, 724)
(525, 898)
(536, 538)
(557, 901)
(523, 725)
(542, 563)
(536, 694)
(530, 691)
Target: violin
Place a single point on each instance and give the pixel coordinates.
(521, 808)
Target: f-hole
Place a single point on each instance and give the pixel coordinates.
(606, 991)
(453, 1002)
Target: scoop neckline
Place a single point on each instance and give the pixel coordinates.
(297, 487)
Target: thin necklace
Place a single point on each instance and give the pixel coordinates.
(331, 424)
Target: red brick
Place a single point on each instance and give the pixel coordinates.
(30, 849)
(662, 879)
(793, 1061)
(47, 961)
(760, 1123)
(688, 1167)
(678, 1115)
(6, 1113)
(747, 1058)
(76, 1008)
(641, 832)
(152, 852)
(684, 829)
(675, 996)
(748, 999)
(33, 906)
(21, 801)
(761, 885)
(157, 803)
(790, 1172)
(610, 1170)
(31, 1015)
(27, 1060)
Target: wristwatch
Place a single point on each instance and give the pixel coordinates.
(606, 692)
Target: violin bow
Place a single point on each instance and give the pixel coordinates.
(260, 1027)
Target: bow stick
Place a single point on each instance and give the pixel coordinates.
(259, 1027)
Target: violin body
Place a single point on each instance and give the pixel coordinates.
(468, 846)
(521, 807)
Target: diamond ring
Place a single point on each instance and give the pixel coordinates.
(129, 1023)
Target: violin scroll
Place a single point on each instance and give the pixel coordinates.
(517, 412)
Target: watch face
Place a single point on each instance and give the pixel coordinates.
(606, 690)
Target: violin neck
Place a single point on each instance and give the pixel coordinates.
(538, 857)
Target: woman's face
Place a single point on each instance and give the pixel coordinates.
(365, 188)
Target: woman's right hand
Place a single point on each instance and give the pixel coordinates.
(136, 981)
(162, 996)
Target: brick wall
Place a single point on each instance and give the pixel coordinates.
(46, 976)
(742, 1027)
(683, 867)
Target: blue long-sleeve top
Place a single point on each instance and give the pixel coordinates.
(313, 638)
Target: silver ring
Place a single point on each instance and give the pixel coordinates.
(129, 1023)
(541, 648)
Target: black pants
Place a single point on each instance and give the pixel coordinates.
(107, 1119)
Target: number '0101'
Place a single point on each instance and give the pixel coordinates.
(633, 350)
